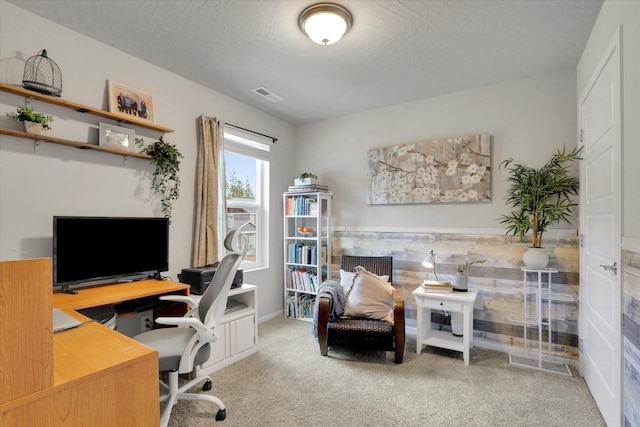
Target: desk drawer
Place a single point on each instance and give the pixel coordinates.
(442, 305)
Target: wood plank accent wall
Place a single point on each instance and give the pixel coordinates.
(631, 338)
(499, 280)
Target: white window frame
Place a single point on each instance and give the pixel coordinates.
(255, 146)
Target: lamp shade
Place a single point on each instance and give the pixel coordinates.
(430, 260)
(325, 23)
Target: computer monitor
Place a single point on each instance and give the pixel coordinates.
(95, 250)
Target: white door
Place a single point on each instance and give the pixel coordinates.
(600, 197)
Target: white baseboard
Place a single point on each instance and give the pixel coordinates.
(279, 313)
(631, 244)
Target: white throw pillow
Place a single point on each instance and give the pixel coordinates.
(347, 278)
(370, 297)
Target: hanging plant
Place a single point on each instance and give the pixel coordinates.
(165, 182)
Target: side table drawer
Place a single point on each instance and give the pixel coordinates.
(442, 305)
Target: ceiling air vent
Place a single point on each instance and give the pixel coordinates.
(266, 93)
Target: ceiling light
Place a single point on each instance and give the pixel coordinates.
(325, 23)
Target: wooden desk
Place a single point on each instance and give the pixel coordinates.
(121, 292)
(100, 377)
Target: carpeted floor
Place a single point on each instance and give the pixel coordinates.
(288, 383)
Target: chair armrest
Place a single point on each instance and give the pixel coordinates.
(184, 321)
(180, 298)
(399, 322)
(323, 320)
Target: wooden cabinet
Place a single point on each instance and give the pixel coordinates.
(238, 333)
(26, 328)
(307, 254)
(75, 377)
(16, 90)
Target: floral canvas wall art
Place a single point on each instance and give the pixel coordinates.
(436, 171)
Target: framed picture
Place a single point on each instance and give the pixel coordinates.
(452, 170)
(130, 102)
(117, 137)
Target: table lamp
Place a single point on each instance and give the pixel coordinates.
(430, 262)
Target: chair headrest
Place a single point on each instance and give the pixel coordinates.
(234, 241)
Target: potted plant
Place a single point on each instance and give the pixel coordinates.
(540, 197)
(33, 122)
(305, 178)
(460, 280)
(165, 182)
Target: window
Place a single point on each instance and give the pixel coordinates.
(246, 162)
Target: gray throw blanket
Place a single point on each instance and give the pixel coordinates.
(332, 290)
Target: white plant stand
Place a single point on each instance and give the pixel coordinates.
(539, 318)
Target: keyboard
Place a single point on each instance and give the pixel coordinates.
(233, 306)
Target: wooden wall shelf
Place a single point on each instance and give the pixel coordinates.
(77, 144)
(17, 90)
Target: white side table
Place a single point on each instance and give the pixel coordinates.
(455, 302)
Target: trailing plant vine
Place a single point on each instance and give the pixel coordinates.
(165, 181)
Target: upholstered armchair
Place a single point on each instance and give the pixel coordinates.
(364, 332)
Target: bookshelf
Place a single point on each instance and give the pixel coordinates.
(307, 250)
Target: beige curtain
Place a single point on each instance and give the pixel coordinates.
(210, 201)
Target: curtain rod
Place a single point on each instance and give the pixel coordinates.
(254, 132)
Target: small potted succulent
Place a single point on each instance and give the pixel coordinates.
(460, 280)
(33, 122)
(306, 178)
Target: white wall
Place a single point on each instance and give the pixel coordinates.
(61, 180)
(627, 15)
(528, 119)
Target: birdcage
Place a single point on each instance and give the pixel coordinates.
(42, 74)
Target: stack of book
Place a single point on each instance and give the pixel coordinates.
(308, 188)
(433, 286)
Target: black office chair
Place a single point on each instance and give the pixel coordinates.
(182, 349)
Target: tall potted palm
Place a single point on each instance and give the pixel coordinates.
(540, 198)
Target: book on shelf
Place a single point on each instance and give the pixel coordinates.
(300, 205)
(300, 306)
(308, 188)
(300, 279)
(436, 286)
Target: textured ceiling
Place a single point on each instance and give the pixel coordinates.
(396, 51)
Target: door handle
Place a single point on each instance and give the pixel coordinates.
(613, 267)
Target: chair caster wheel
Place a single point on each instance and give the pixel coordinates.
(221, 415)
(207, 386)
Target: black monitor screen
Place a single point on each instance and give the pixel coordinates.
(87, 249)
